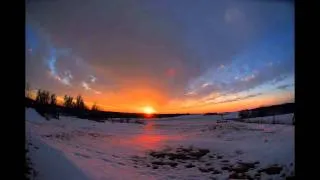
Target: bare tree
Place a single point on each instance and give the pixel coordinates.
(95, 107)
(28, 90)
(43, 97)
(68, 101)
(38, 95)
(53, 99)
(79, 103)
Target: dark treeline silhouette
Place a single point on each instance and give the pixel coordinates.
(46, 105)
(209, 114)
(94, 107)
(268, 111)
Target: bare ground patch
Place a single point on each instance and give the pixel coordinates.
(205, 161)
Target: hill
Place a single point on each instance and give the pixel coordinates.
(268, 111)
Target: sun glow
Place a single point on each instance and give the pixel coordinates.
(148, 110)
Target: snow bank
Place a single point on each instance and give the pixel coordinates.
(33, 116)
(233, 115)
(51, 164)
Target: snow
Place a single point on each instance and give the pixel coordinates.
(279, 119)
(33, 116)
(51, 163)
(93, 150)
(232, 115)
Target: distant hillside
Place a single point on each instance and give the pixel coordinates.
(209, 114)
(268, 111)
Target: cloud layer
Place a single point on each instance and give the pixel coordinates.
(168, 54)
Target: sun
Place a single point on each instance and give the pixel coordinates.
(148, 110)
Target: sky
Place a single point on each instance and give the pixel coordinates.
(177, 56)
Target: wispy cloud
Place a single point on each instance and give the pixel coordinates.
(205, 85)
(191, 93)
(221, 66)
(248, 78)
(235, 98)
(85, 86)
(64, 79)
(92, 78)
(284, 86)
(97, 92)
(233, 15)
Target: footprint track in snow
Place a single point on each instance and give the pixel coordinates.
(82, 155)
(106, 160)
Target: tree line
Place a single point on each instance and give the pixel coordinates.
(44, 97)
(46, 104)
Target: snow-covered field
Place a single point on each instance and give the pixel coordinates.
(198, 148)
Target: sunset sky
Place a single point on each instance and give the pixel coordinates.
(177, 56)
